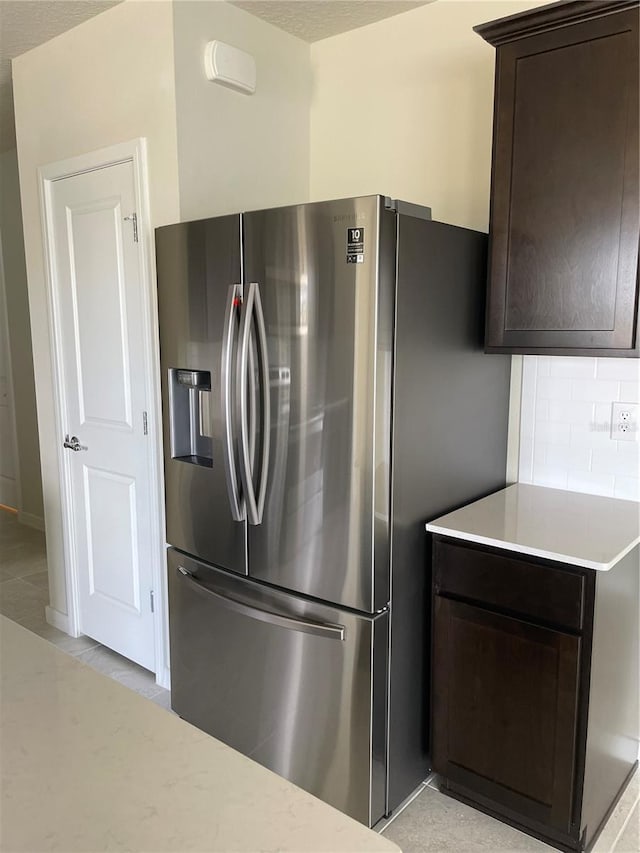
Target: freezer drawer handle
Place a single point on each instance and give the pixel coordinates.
(334, 632)
(238, 512)
(253, 307)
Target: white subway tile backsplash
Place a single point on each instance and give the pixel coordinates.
(544, 365)
(596, 435)
(527, 419)
(618, 368)
(627, 488)
(552, 433)
(575, 368)
(602, 417)
(539, 455)
(542, 410)
(616, 460)
(569, 412)
(630, 392)
(553, 388)
(547, 475)
(568, 456)
(594, 390)
(565, 427)
(592, 484)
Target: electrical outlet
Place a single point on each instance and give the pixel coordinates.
(624, 421)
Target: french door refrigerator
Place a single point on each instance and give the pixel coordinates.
(324, 394)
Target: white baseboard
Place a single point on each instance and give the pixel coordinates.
(56, 618)
(31, 520)
(163, 678)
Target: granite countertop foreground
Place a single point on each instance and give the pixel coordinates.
(569, 527)
(88, 765)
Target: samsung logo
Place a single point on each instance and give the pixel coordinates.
(349, 217)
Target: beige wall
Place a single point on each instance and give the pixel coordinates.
(109, 80)
(15, 275)
(239, 151)
(404, 107)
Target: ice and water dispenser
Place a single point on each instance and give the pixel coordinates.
(191, 416)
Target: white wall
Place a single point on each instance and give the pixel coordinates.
(239, 151)
(29, 492)
(404, 107)
(566, 425)
(109, 80)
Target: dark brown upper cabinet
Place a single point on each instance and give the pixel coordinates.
(563, 268)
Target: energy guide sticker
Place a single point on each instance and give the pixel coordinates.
(355, 245)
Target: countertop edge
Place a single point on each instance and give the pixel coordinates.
(530, 550)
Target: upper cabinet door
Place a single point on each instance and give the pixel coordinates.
(563, 274)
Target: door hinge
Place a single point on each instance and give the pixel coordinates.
(133, 218)
(145, 423)
(151, 601)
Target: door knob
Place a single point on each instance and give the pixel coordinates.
(73, 443)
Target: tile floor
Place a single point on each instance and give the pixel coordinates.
(24, 592)
(431, 822)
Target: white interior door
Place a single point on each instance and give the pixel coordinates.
(8, 467)
(98, 269)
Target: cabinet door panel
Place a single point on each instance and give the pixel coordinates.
(564, 253)
(504, 709)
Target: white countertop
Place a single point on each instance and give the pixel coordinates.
(88, 765)
(570, 527)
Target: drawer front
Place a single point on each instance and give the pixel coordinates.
(265, 672)
(535, 591)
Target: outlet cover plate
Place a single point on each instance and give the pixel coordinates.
(624, 421)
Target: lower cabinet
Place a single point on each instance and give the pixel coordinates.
(512, 689)
(507, 721)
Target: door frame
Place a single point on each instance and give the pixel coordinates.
(10, 385)
(135, 152)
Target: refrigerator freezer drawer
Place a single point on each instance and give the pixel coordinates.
(298, 686)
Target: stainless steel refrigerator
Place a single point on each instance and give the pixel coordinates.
(324, 394)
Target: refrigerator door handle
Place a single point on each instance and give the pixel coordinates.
(234, 299)
(266, 402)
(291, 623)
(252, 306)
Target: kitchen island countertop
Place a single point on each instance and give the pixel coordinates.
(88, 765)
(570, 527)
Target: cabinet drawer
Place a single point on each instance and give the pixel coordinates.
(533, 590)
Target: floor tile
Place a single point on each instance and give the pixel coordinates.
(629, 840)
(22, 601)
(17, 589)
(5, 574)
(24, 564)
(163, 699)
(40, 579)
(24, 593)
(120, 669)
(611, 836)
(71, 645)
(21, 609)
(434, 823)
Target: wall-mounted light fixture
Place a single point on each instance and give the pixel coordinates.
(229, 66)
